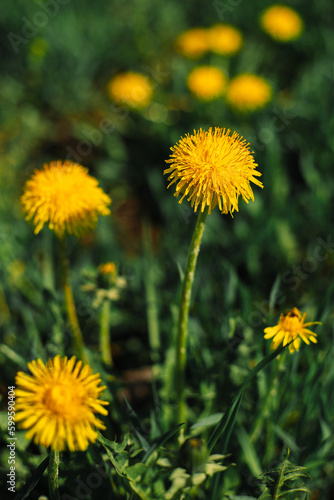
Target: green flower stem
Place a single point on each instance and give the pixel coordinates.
(182, 329)
(105, 347)
(70, 306)
(53, 475)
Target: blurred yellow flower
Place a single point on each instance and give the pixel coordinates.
(108, 268)
(193, 43)
(282, 23)
(58, 403)
(206, 82)
(132, 89)
(290, 327)
(248, 92)
(224, 39)
(213, 168)
(66, 197)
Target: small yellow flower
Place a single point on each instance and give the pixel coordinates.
(108, 268)
(193, 43)
(290, 327)
(213, 168)
(206, 82)
(281, 23)
(248, 92)
(132, 89)
(224, 39)
(58, 403)
(64, 196)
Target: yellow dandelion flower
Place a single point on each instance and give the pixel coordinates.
(108, 268)
(58, 403)
(213, 168)
(132, 89)
(282, 23)
(206, 82)
(66, 197)
(248, 92)
(193, 43)
(290, 327)
(225, 39)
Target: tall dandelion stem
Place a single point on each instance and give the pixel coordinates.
(182, 329)
(69, 301)
(105, 347)
(53, 475)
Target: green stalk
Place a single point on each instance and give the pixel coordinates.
(70, 306)
(105, 334)
(182, 329)
(53, 475)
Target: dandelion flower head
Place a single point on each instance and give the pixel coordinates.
(224, 39)
(108, 268)
(193, 43)
(282, 23)
(132, 89)
(206, 82)
(66, 197)
(291, 327)
(58, 403)
(248, 92)
(212, 168)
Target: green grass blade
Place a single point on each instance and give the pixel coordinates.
(160, 441)
(33, 480)
(225, 425)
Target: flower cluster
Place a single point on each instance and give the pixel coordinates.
(221, 38)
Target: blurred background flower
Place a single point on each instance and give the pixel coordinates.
(248, 93)
(132, 89)
(224, 39)
(282, 23)
(193, 43)
(206, 82)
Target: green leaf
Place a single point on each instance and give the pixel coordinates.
(33, 481)
(265, 495)
(136, 427)
(273, 293)
(225, 426)
(276, 480)
(249, 452)
(113, 445)
(160, 441)
(207, 421)
(133, 471)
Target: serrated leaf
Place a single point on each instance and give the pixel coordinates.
(133, 471)
(265, 495)
(113, 445)
(116, 464)
(300, 490)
